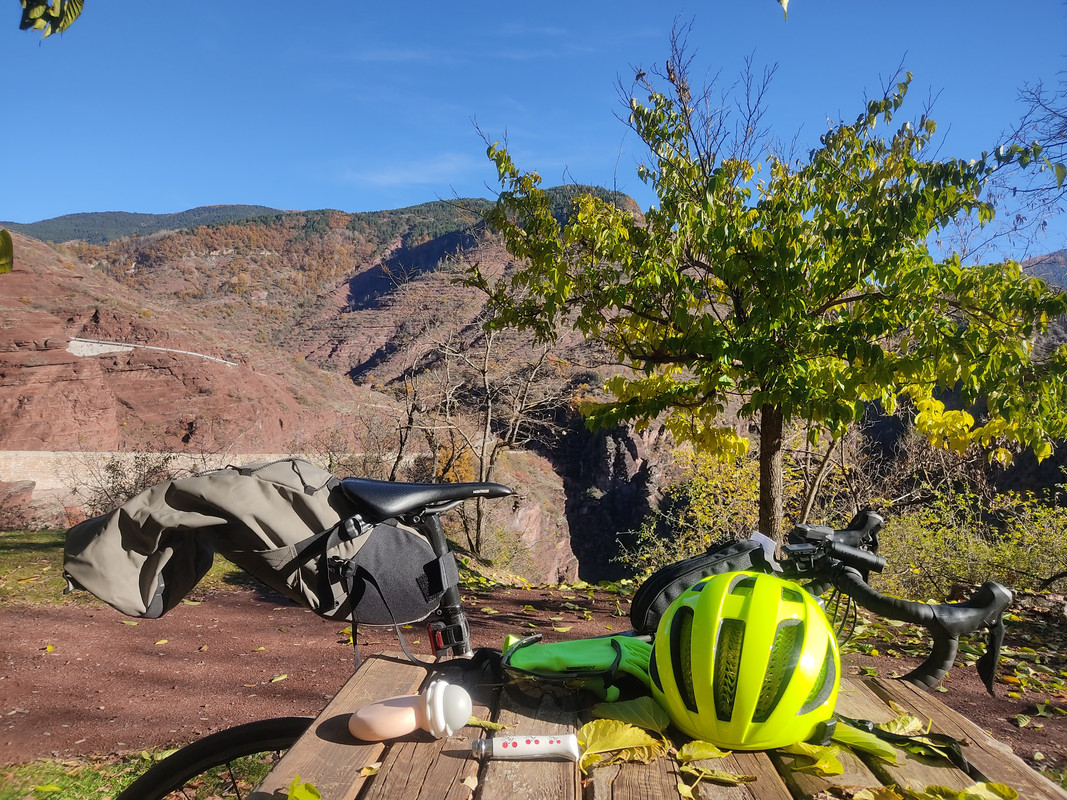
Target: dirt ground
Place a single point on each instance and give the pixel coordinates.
(81, 679)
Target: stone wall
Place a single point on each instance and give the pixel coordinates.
(56, 474)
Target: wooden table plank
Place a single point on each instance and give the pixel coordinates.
(328, 755)
(420, 767)
(913, 772)
(767, 786)
(657, 780)
(423, 768)
(536, 779)
(806, 785)
(994, 759)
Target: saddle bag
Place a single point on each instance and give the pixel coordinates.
(288, 523)
(665, 585)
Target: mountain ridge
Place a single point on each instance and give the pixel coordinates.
(101, 227)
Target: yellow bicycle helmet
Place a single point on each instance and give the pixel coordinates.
(746, 661)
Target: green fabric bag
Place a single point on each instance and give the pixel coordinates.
(280, 521)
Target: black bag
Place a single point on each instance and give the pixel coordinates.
(665, 585)
(395, 578)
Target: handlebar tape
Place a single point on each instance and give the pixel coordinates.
(944, 621)
(862, 560)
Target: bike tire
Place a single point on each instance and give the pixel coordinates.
(220, 749)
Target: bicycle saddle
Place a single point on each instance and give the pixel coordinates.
(387, 499)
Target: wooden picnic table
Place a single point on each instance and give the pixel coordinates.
(419, 766)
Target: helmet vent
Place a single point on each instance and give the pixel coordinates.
(785, 654)
(823, 685)
(682, 657)
(653, 671)
(791, 595)
(742, 585)
(727, 666)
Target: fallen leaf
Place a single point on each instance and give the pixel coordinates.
(685, 791)
(824, 759)
(717, 775)
(697, 750)
(623, 741)
(485, 724)
(644, 712)
(867, 742)
(370, 769)
(278, 678)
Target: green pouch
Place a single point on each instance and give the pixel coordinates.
(578, 673)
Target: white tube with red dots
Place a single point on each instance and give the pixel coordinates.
(556, 745)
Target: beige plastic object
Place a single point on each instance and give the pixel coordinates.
(442, 709)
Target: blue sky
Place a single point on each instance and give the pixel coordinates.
(163, 106)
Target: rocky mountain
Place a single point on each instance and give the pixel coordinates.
(312, 332)
(87, 364)
(1051, 267)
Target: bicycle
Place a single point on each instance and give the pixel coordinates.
(828, 559)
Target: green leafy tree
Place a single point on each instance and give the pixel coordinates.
(7, 251)
(50, 16)
(786, 289)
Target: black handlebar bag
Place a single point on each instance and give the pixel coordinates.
(666, 584)
(287, 523)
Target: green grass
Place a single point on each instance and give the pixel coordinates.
(31, 571)
(71, 779)
(100, 777)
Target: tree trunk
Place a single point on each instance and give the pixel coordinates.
(770, 472)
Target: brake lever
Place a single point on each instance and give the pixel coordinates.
(988, 661)
(954, 619)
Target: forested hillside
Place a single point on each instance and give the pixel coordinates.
(107, 226)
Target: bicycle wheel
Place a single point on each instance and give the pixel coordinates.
(225, 764)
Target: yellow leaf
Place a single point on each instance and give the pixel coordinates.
(904, 724)
(716, 775)
(644, 712)
(278, 678)
(562, 629)
(162, 641)
(370, 769)
(824, 759)
(485, 724)
(867, 742)
(697, 750)
(623, 741)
